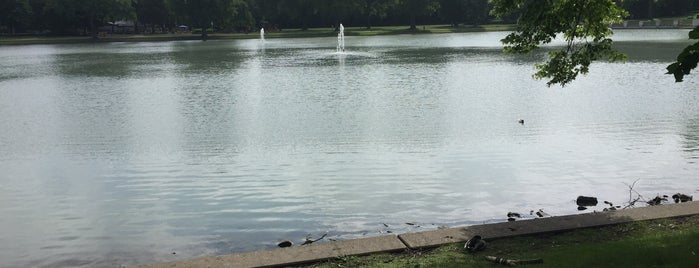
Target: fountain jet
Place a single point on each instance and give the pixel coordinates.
(341, 39)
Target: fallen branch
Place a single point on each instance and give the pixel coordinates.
(512, 262)
(632, 201)
(309, 241)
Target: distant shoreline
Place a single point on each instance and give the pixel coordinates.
(290, 33)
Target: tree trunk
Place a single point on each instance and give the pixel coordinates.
(135, 26)
(93, 30)
(413, 26)
(368, 22)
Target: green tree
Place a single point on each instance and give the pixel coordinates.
(473, 12)
(14, 14)
(61, 16)
(584, 24)
(415, 8)
(98, 11)
(244, 21)
(178, 12)
(153, 12)
(476, 11)
(687, 59)
(300, 10)
(336, 11)
(67, 15)
(674, 7)
(375, 8)
(453, 11)
(207, 13)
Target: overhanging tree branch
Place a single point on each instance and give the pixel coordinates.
(687, 60)
(584, 24)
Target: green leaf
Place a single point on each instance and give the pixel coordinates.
(672, 68)
(694, 34)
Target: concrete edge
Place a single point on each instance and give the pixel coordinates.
(546, 225)
(428, 239)
(294, 255)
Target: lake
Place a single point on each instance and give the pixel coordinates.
(130, 153)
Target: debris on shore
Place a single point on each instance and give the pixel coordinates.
(681, 198)
(285, 244)
(586, 201)
(540, 213)
(512, 216)
(512, 262)
(308, 241)
(311, 241)
(657, 200)
(476, 243)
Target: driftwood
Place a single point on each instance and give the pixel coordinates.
(639, 197)
(309, 241)
(512, 262)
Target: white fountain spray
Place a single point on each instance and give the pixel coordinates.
(262, 34)
(341, 39)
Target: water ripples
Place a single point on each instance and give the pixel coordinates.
(124, 153)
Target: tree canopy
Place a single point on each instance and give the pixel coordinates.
(584, 25)
(70, 17)
(687, 60)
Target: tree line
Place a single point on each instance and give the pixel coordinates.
(83, 17)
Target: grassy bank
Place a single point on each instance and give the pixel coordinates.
(659, 243)
(287, 33)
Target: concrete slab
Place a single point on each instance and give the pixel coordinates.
(293, 255)
(319, 252)
(546, 225)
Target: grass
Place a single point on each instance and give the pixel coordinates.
(287, 33)
(659, 243)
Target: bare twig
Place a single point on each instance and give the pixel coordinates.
(632, 201)
(309, 241)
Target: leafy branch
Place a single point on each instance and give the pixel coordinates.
(687, 59)
(584, 24)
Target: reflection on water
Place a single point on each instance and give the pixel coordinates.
(125, 153)
(691, 139)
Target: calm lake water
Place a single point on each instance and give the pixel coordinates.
(126, 153)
